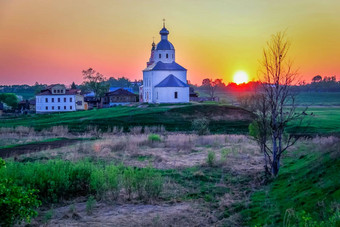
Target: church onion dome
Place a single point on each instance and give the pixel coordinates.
(164, 31)
(165, 45)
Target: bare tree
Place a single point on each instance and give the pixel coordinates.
(276, 105)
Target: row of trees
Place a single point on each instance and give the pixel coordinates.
(211, 87)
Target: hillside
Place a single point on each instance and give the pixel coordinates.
(223, 118)
(307, 189)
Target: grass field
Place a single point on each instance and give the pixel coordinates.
(173, 180)
(319, 121)
(302, 98)
(223, 119)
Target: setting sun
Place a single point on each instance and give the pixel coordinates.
(240, 77)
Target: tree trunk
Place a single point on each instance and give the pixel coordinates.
(274, 166)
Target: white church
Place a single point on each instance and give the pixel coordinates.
(164, 81)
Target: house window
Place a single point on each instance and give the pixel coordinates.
(64, 99)
(46, 107)
(64, 107)
(52, 99)
(176, 95)
(58, 107)
(46, 99)
(54, 91)
(70, 107)
(52, 107)
(160, 55)
(70, 99)
(167, 55)
(58, 99)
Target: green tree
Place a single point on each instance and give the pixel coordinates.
(16, 203)
(73, 86)
(95, 82)
(10, 99)
(317, 79)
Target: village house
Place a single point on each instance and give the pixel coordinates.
(118, 97)
(56, 98)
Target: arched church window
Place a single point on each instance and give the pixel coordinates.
(167, 55)
(160, 55)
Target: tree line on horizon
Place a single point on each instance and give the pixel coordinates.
(317, 84)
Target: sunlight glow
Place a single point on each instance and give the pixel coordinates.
(241, 77)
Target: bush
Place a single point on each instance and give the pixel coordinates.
(201, 126)
(16, 203)
(211, 158)
(57, 180)
(143, 183)
(154, 138)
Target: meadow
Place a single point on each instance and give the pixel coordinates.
(154, 179)
(151, 165)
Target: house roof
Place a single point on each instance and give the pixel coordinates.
(125, 88)
(67, 92)
(171, 81)
(173, 66)
(120, 92)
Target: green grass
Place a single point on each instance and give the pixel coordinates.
(323, 121)
(200, 182)
(308, 185)
(172, 117)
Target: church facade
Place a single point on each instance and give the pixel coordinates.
(164, 81)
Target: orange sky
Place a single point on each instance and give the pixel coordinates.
(52, 41)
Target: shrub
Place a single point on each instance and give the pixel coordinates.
(211, 158)
(143, 183)
(57, 180)
(201, 126)
(16, 203)
(106, 181)
(154, 138)
(224, 154)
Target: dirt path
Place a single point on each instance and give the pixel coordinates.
(178, 214)
(35, 147)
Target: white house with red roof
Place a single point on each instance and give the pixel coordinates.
(164, 81)
(56, 98)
